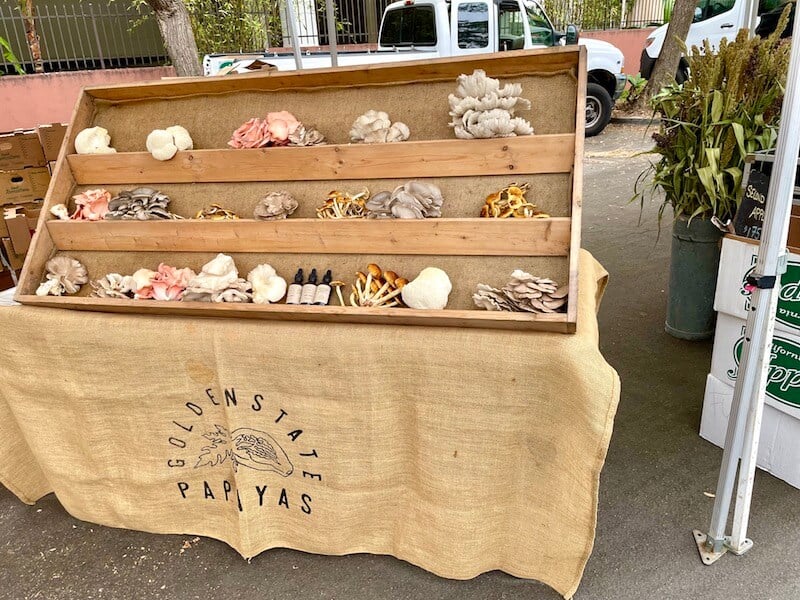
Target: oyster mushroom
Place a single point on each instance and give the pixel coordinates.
(429, 290)
(523, 293)
(93, 140)
(280, 126)
(141, 204)
(274, 206)
(414, 200)
(114, 285)
(253, 133)
(60, 211)
(375, 127)
(480, 108)
(161, 144)
(268, 286)
(91, 205)
(306, 136)
(64, 275)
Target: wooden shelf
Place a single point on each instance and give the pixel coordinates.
(555, 322)
(404, 160)
(459, 237)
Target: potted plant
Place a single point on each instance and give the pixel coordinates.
(729, 107)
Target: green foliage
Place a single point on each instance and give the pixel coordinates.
(729, 107)
(633, 90)
(9, 56)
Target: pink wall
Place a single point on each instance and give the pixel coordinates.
(629, 41)
(31, 100)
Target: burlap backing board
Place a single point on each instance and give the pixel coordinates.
(461, 451)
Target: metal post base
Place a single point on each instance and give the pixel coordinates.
(708, 556)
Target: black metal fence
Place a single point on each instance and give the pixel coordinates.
(82, 35)
(608, 14)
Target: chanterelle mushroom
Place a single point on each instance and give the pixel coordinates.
(93, 140)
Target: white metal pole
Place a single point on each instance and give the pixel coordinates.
(331, 20)
(776, 218)
(751, 17)
(741, 440)
(291, 18)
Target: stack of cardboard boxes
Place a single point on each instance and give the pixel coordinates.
(26, 158)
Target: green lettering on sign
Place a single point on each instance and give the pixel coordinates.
(783, 381)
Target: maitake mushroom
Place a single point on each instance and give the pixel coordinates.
(268, 286)
(511, 202)
(429, 290)
(163, 144)
(523, 293)
(375, 288)
(414, 200)
(274, 206)
(140, 204)
(341, 205)
(64, 275)
(480, 108)
(375, 127)
(93, 140)
(216, 276)
(91, 205)
(114, 285)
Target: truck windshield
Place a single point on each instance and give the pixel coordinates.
(409, 26)
(541, 29)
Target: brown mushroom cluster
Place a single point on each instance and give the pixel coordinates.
(341, 205)
(215, 212)
(523, 293)
(141, 204)
(510, 202)
(376, 287)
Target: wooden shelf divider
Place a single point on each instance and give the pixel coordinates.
(433, 158)
(458, 237)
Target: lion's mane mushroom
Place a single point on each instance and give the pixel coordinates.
(93, 140)
(523, 293)
(268, 286)
(480, 108)
(274, 206)
(429, 290)
(64, 275)
(215, 276)
(375, 127)
(414, 200)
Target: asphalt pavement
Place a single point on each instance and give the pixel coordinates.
(653, 488)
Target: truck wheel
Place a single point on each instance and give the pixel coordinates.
(598, 108)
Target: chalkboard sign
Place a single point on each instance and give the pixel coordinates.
(749, 219)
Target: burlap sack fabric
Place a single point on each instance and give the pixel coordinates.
(460, 451)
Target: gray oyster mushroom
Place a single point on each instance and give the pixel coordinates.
(63, 275)
(141, 204)
(523, 293)
(306, 136)
(274, 206)
(413, 200)
(480, 108)
(114, 285)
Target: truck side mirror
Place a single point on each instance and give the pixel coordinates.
(571, 35)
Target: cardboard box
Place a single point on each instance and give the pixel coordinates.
(15, 260)
(51, 137)
(783, 382)
(737, 261)
(23, 185)
(21, 149)
(18, 232)
(779, 443)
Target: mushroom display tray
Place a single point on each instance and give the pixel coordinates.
(475, 250)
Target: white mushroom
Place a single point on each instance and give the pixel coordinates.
(161, 144)
(93, 140)
(375, 127)
(216, 275)
(429, 290)
(182, 138)
(64, 275)
(61, 211)
(268, 286)
(142, 278)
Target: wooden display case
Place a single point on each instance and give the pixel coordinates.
(472, 250)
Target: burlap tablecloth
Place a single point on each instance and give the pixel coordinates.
(458, 450)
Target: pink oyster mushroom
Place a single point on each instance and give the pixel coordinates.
(252, 134)
(169, 283)
(281, 125)
(91, 205)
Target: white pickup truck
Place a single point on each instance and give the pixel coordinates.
(424, 29)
